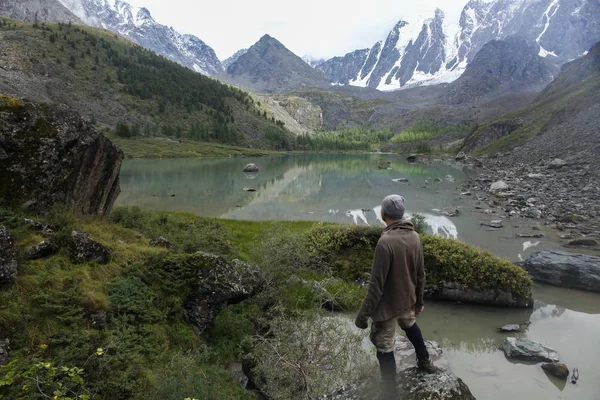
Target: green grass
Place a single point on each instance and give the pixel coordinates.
(150, 350)
(426, 132)
(164, 148)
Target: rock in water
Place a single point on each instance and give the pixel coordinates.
(559, 268)
(558, 370)
(251, 168)
(583, 243)
(50, 155)
(530, 350)
(83, 248)
(412, 158)
(219, 283)
(510, 328)
(8, 257)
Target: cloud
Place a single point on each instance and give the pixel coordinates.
(319, 28)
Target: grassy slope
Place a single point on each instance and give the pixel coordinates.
(150, 351)
(163, 148)
(107, 78)
(576, 88)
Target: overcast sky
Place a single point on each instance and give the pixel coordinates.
(318, 28)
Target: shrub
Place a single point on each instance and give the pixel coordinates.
(448, 260)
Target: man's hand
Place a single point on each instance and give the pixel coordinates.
(361, 322)
(419, 309)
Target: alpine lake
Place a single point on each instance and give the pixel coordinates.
(348, 189)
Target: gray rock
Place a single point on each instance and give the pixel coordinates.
(412, 158)
(510, 328)
(559, 268)
(249, 190)
(162, 241)
(219, 283)
(400, 180)
(535, 176)
(82, 249)
(461, 156)
(557, 163)
(583, 243)
(43, 249)
(8, 257)
(4, 348)
(251, 168)
(497, 224)
(530, 350)
(556, 369)
(533, 213)
(498, 186)
(531, 235)
(70, 164)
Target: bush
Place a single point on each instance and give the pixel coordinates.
(448, 260)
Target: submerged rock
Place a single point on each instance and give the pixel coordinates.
(510, 328)
(52, 156)
(583, 243)
(556, 369)
(412, 158)
(559, 268)
(8, 257)
(219, 283)
(251, 168)
(83, 248)
(529, 350)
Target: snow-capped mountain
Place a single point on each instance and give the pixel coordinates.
(435, 48)
(228, 61)
(137, 25)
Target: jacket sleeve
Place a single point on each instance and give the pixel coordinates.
(420, 259)
(379, 273)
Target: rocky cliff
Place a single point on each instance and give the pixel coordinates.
(37, 11)
(49, 155)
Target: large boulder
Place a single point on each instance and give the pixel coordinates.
(528, 350)
(559, 268)
(556, 369)
(412, 383)
(219, 283)
(50, 155)
(8, 257)
(82, 249)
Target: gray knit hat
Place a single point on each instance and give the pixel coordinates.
(393, 207)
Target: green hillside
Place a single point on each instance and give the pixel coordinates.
(110, 80)
(575, 89)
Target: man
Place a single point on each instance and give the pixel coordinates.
(395, 294)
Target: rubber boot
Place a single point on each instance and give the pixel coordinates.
(387, 366)
(415, 336)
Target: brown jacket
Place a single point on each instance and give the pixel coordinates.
(398, 273)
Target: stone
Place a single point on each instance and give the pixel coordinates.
(559, 268)
(4, 348)
(43, 249)
(557, 163)
(163, 242)
(461, 156)
(498, 186)
(249, 190)
(251, 168)
(535, 176)
(556, 369)
(412, 158)
(531, 235)
(510, 328)
(220, 283)
(70, 164)
(533, 213)
(438, 180)
(583, 243)
(82, 249)
(497, 224)
(400, 180)
(528, 350)
(8, 257)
